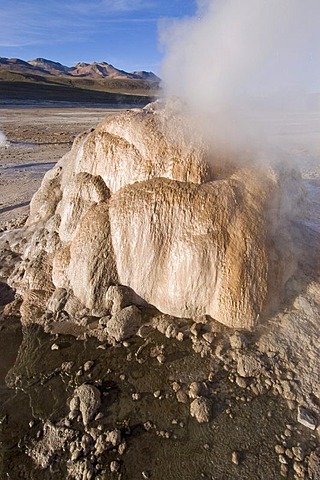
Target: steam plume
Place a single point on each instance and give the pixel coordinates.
(3, 140)
(235, 55)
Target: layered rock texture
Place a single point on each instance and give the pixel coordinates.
(139, 202)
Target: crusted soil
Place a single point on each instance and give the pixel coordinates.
(38, 138)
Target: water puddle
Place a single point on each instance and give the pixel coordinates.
(24, 167)
(173, 446)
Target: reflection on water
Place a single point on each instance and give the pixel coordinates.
(38, 389)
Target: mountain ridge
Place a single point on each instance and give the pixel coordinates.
(98, 82)
(81, 69)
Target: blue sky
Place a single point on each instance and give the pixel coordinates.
(121, 32)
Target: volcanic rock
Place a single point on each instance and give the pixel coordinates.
(53, 441)
(119, 297)
(314, 465)
(142, 202)
(306, 418)
(248, 366)
(87, 399)
(58, 300)
(200, 408)
(124, 324)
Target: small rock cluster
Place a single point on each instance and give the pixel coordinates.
(88, 447)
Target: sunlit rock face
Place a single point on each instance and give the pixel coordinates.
(136, 203)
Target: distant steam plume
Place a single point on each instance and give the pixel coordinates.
(3, 140)
(235, 56)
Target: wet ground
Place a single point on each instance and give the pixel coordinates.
(37, 389)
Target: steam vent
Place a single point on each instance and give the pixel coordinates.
(139, 202)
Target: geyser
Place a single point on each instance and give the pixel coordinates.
(136, 202)
(3, 140)
(236, 58)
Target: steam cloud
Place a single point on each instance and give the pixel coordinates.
(3, 140)
(236, 56)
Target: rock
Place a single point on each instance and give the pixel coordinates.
(180, 336)
(209, 337)
(58, 300)
(148, 426)
(114, 466)
(122, 447)
(283, 460)
(235, 458)
(164, 323)
(82, 469)
(113, 437)
(279, 449)
(237, 341)
(171, 331)
(284, 470)
(55, 346)
(200, 409)
(76, 454)
(195, 329)
(248, 366)
(53, 441)
(241, 382)
(161, 358)
(74, 404)
(181, 396)
(88, 365)
(197, 389)
(314, 465)
(306, 418)
(298, 453)
(75, 308)
(299, 469)
(86, 443)
(88, 398)
(288, 390)
(101, 445)
(67, 366)
(175, 386)
(119, 297)
(289, 453)
(124, 324)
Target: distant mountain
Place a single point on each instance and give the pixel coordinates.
(99, 82)
(48, 66)
(95, 70)
(98, 70)
(146, 76)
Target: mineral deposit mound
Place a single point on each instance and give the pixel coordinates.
(143, 202)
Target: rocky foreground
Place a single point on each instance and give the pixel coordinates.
(138, 216)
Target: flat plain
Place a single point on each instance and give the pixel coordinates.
(38, 138)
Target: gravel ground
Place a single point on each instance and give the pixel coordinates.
(38, 138)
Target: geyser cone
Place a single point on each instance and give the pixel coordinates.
(136, 203)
